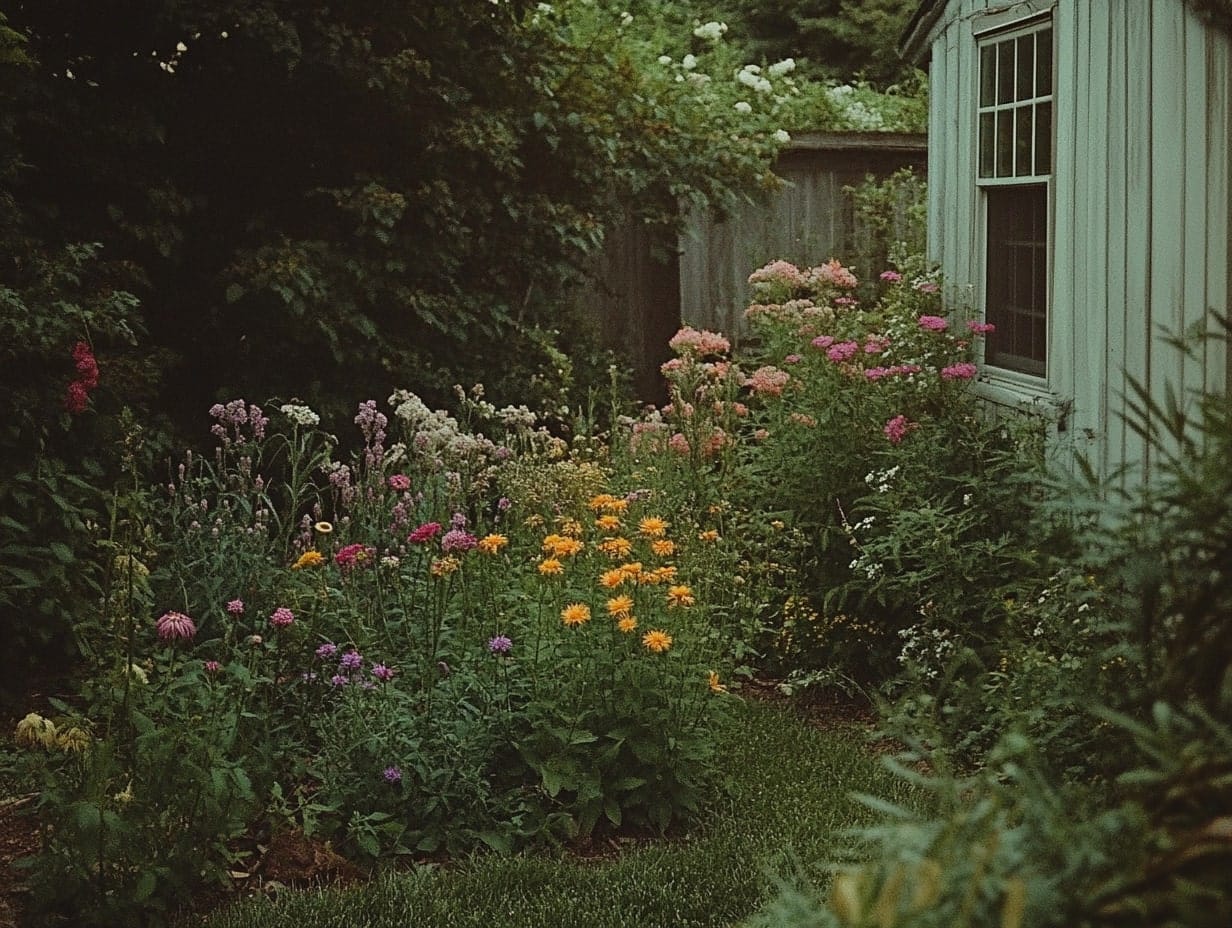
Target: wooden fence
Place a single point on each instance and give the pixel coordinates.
(647, 287)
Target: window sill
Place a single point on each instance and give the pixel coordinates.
(1020, 392)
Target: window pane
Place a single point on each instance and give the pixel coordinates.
(988, 75)
(1016, 283)
(1043, 63)
(1005, 143)
(1026, 67)
(986, 144)
(1022, 142)
(1043, 138)
(1005, 72)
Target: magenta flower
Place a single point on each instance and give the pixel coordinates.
(174, 626)
(352, 660)
(327, 650)
(500, 645)
(934, 323)
(382, 673)
(392, 775)
(236, 607)
(823, 341)
(458, 541)
(400, 482)
(282, 617)
(843, 351)
(981, 328)
(896, 429)
(355, 555)
(339, 680)
(892, 276)
(212, 666)
(964, 370)
(424, 533)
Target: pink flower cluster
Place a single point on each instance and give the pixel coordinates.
(356, 555)
(898, 370)
(768, 381)
(842, 351)
(424, 533)
(891, 276)
(78, 395)
(896, 429)
(934, 323)
(400, 482)
(779, 272)
(981, 328)
(458, 541)
(690, 341)
(964, 370)
(236, 414)
(834, 274)
(282, 617)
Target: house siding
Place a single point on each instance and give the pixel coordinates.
(1141, 198)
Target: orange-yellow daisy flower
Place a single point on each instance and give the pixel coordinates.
(619, 606)
(616, 505)
(561, 545)
(551, 567)
(575, 614)
(663, 547)
(652, 527)
(491, 544)
(607, 523)
(571, 527)
(309, 559)
(445, 566)
(657, 641)
(665, 574)
(632, 570)
(601, 501)
(680, 596)
(616, 547)
(627, 624)
(710, 534)
(610, 579)
(713, 681)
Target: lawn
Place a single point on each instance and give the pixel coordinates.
(791, 794)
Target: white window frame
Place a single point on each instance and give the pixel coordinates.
(1001, 384)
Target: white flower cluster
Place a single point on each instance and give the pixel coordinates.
(711, 31)
(926, 648)
(855, 113)
(300, 415)
(750, 76)
(880, 479)
(779, 68)
(782, 136)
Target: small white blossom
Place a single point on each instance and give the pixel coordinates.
(300, 415)
(779, 68)
(626, 18)
(665, 59)
(743, 107)
(181, 47)
(688, 62)
(712, 31)
(782, 136)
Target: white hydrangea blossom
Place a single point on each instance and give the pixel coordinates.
(782, 136)
(688, 62)
(743, 107)
(665, 59)
(779, 68)
(749, 76)
(711, 31)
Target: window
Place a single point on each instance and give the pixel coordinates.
(1014, 168)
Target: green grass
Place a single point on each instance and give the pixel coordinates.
(791, 794)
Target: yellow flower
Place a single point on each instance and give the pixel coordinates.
(665, 574)
(715, 685)
(657, 641)
(601, 501)
(680, 596)
(533, 521)
(652, 527)
(34, 730)
(611, 579)
(125, 796)
(616, 505)
(627, 624)
(632, 570)
(710, 534)
(561, 545)
(309, 559)
(777, 525)
(575, 614)
(663, 547)
(491, 544)
(616, 547)
(323, 528)
(608, 523)
(551, 567)
(620, 606)
(445, 566)
(73, 740)
(571, 527)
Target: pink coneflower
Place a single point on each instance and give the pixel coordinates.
(282, 617)
(176, 625)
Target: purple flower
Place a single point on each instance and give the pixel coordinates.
(175, 625)
(236, 607)
(500, 645)
(352, 660)
(212, 666)
(282, 617)
(458, 521)
(504, 503)
(382, 673)
(392, 775)
(327, 650)
(458, 541)
(339, 680)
